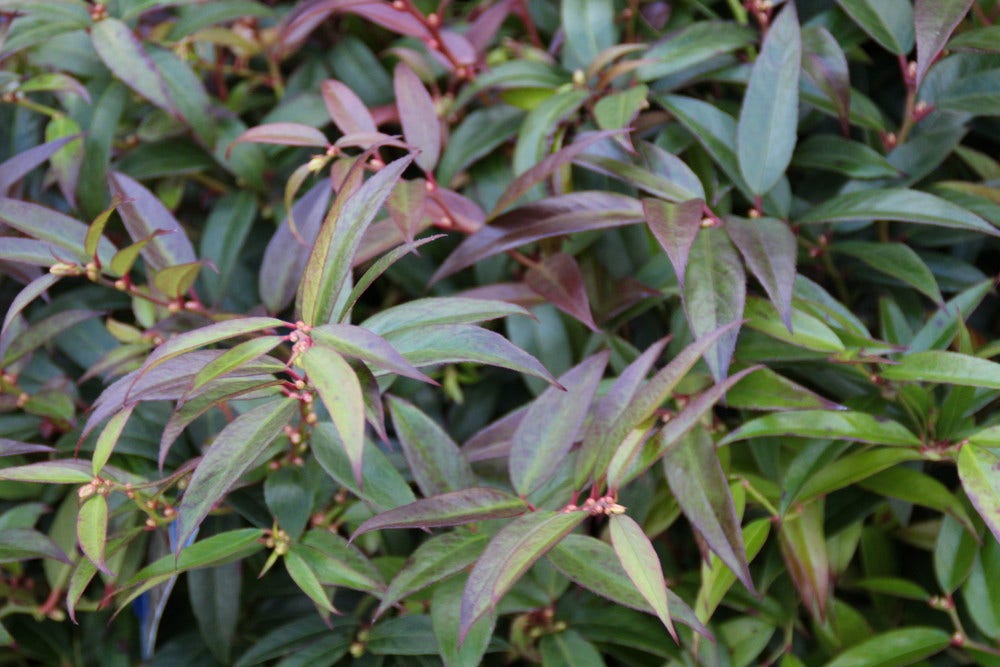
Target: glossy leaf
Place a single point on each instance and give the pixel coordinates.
(640, 562)
(675, 226)
(854, 468)
(348, 112)
(888, 22)
(338, 387)
(235, 357)
(894, 648)
(590, 28)
(766, 133)
(307, 581)
(418, 116)
(769, 248)
(829, 152)
(859, 426)
(420, 313)
(448, 509)
(478, 135)
(934, 21)
(233, 452)
(543, 439)
(508, 556)
(945, 367)
(437, 464)
(699, 42)
(977, 468)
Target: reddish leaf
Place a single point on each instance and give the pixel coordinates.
(555, 216)
(14, 169)
(448, 509)
(407, 206)
(51, 226)
(934, 21)
(803, 546)
(144, 215)
(418, 116)
(675, 226)
(769, 248)
(824, 63)
(482, 30)
(125, 56)
(285, 134)
(346, 109)
(559, 280)
(367, 346)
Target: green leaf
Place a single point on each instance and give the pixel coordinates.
(339, 388)
(214, 595)
(535, 135)
(804, 549)
(18, 544)
(769, 248)
(478, 135)
(955, 551)
(329, 266)
(234, 358)
(858, 426)
(403, 636)
(226, 231)
(766, 132)
(125, 56)
(766, 390)
(175, 281)
(696, 43)
(934, 21)
(978, 469)
(894, 648)
(508, 556)
(640, 562)
(888, 22)
(542, 441)
(92, 530)
(233, 452)
(437, 464)
(434, 560)
(337, 563)
(307, 581)
(899, 205)
(717, 579)
(945, 367)
(446, 605)
(675, 226)
(894, 259)
(918, 488)
(940, 329)
(420, 313)
(448, 509)
(369, 347)
(714, 295)
(49, 472)
(590, 28)
(42, 332)
(108, 438)
(983, 38)
(700, 485)
(854, 468)
(569, 649)
(52, 226)
(288, 497)
(825, 65)
(619, 109)
(187, 93)
(854, 159)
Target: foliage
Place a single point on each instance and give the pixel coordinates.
(291, 281)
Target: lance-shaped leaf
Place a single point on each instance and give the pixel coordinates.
(769, 248)
(381, 487)
(558, 279)
(824, 63)
(853, 468)
(979, 470)
(545, 435)
(234, 450)
(338, 563)
(888, 22)
(596, 446)
(14, 169)
(918, 488)
(378, 267)
(307, 581)
(124, 55)
(235, 357)
(765, 135)
(434, 560)
(43, 331)
(829, 152)
(675, 226)
(17, 544)
(144, 215)
(16, 448)
(639, 559)
(555, 216)
(455, 343)
(329, 265)
(895, 648)
(369, 347)
(696, 43)
(446, 607)
(346, 109)
(714, 295)
(590, 28)
(846, 425)
(92, 530)
(897, 204)
(108, 438)
(479, 134)
(804, 549)
(49, 472)
(437, 464)
(407, 206)
(284, 134)
(51, 226)
(535, 136)
(448, 509)
(897, 260)
(340, 390)
(700, 485)
(568, 649)
(945, 367)
(31, 291)
(594, 565)
(417, 115)
(421, 313)
(508, 556)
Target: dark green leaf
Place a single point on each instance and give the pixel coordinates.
(934, 21)
(829, 152)
(978, 469)
(888, 22)
(858, 426)
(945, 367)
(125, 56)
(895, 648)
(437, 464)
(569, 649)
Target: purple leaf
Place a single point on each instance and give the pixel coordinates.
(548, 429)
(232, 453)
(934, 21)
(348, 112)
(30, 292)
(43, 331)
(448, 509)
(363, 344)
(558, 279)
(17, 544)
(508, 556)
(53, 227)
(482, 30)
(675, 226)
(15, 448)
(143, 215)
(14, 169)
(555, 216)
(824, 63)
(124, 55)
(284, 134)
(642, 565)
(494, 441)
(435, 460)
(340, 391)
(418, 116)
(407, 206)
(769, 248)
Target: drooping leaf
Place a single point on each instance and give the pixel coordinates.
(24, 298)
(51, 226)
(675, 226)
(17, 167)
(108, 438)
(42, 332)
(859, 426)
(307, 581)
(766, 133)
(640, 562)
(340, 391)
(829, 152)
(233, 452)
(559, 280)
(897, 260)
(853, 468)
(888, 22)
(714, 295)
(545, 435)
(769, 248)
(934, 21)
(339, 563)
(437, 464)
(945, 367)
(448, 509)
(978, 469)
(508, 556)
(17, 544)
(417, 116)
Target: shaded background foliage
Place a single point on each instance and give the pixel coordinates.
(686, 306)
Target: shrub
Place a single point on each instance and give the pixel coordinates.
(266, 265)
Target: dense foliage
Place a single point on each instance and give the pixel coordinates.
(669, 323)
